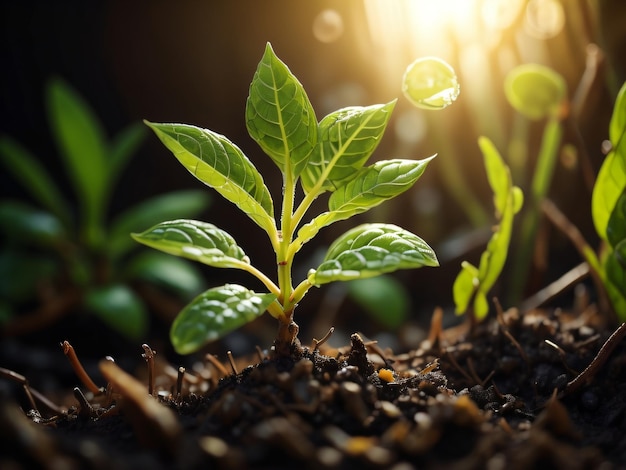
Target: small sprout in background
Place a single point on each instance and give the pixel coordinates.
(73, 248)
(430, 83)
(328, 156)
(473, 283)
(536, 92)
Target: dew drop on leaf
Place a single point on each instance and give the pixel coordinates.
(430, 83)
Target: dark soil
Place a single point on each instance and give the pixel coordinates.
(501, 396)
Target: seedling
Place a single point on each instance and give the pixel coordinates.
(608, 207)
(72, 247)
(473, 283)
(324, 157)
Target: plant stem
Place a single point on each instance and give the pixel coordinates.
(542, 177)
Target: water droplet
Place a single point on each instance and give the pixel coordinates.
(430, 83)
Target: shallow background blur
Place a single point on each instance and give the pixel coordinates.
(192, 62)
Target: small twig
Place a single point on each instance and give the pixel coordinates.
(573, 276)
(592, 369)
(559, 219)
(231, 360)
(470, 365)
(218, 365)
(561, 352)
(79, 370)
(436, 322)
(317, 343)
(19, 378)
(179, 381)
(148, 355)
(458, 367)
(507, 333)
(260, 353)
(373, 345)
(86, 410)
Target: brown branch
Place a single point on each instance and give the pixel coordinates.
(79, 370)
(592, 369)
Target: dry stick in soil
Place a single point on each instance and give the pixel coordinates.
(571, 231)
(79, 370)
(31, 393)
(592, 369)
(148, 355)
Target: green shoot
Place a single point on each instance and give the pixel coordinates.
(324, 157)
(473, 283)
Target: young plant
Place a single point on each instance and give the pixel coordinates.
(473, 283)
(608, 206)
(328, 156)
(77, 252)
(537, 93)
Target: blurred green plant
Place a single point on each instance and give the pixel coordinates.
(328, 156)
(79, 254)
(608, 210)
(537, 93)
(472, 284)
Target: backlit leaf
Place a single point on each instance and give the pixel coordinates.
(611, 180)
(370, 187)
(372, 249)
(182, 204)
(220, 164)
(536, 91)
(214, 313)
(347, 138)
(279, 115)
(195, 240)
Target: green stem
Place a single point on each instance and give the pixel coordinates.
(542, 178)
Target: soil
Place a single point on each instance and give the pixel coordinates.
(506, 393)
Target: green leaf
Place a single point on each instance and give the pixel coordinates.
(183, 204)
(611, 180)
(616, 227)
(536, 91)
(22, 273)
(24, 224)
(497, 174)
(120, 308)
(383, 297)
(615, 268)
(370, 187)
(81, 141)
(220, 164)
(195, 240)
(26, 169)
(123, 146)
(214, 313)
(474, 282)
(372, 249)
(174, 275)
(617, 125)
(464, 287)
(279, 115)
(347, 138)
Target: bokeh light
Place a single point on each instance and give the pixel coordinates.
(328, 26)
